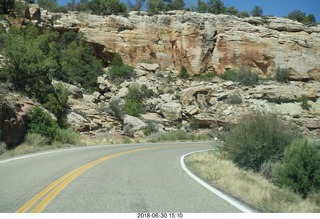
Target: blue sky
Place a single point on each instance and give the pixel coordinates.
(278, 8)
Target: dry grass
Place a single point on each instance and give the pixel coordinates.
(105, 138)
(249, 187)
(35, 143)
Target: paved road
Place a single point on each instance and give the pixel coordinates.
(116, 178)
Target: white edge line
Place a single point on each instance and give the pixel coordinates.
(212, 189)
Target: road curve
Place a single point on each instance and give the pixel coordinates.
(108, 179)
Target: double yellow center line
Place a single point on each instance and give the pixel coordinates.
(51, 191)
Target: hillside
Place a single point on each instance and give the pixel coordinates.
(159, 46)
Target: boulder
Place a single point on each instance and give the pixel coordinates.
(191, 110)
(123, 92)
(13, 122)
(148, 67)
(189, 95)
(171, 111)
(209, 119)
(78, 122)
(285, 92)
(33, 12)
(136, 123)
(153, 117)
(166, 97)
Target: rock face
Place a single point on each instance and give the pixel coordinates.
(161, 44)
(13, 122)
(206, 104)
(202, 42)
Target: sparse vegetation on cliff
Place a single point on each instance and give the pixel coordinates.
(298, 15)
(282, 75)
(119, 71)
(134, 100)
(243, 75)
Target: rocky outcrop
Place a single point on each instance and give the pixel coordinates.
(196, 105)
(202, 42)
(160, 45)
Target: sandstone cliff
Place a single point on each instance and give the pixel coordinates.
(202, 42)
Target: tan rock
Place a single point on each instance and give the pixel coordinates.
(202, 42)
(123, 92)
(33, 12)
(191, 110)
(153, 117)
(135, 122)
(188, 95)
(78, 122)
(171, 111)
(149, 67)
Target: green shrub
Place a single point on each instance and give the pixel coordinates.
(116, 108)
(267, 169)
(134, 100)
(205, 77)
(67, 136)
(155, 6)
(121, 72)
(78, 63)
(118, 70)
(243, 75)
(247, 77)
(184, 73)
(6, 6)
(128, 131)
(256, 139)
(282, 75)
(177, 135)
(134, 93)
(134, 107)
(62, 93)
(302, 17)
(35, 140)
(2, 147)
(300, 170)
(35, 57)
(304, 103)
(230, 75)
(107, 7)
(315, 197)
(49, 5)
(40, 122)
(19, 8)
(147, 93)
(151, 128)
(126, 140)
(234, 99)
(117, 60)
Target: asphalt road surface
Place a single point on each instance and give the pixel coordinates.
(109, 179)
